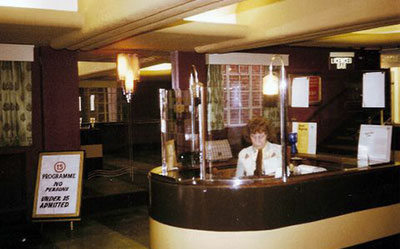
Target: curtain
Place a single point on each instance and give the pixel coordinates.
(15, 103)
(215, 102)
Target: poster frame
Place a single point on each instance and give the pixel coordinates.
(57, 216)
(311, 101)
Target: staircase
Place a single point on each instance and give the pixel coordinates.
(343, 140)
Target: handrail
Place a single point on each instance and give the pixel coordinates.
(324, 106)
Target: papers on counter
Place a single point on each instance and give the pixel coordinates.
(308, 169)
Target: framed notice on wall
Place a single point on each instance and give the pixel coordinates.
(306, 136)
(305, 90)
(315, 90)
(58, 185)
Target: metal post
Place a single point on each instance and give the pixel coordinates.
(197, 90)
(163, 128)
(282, 105)
(193, 96)
(202, 133)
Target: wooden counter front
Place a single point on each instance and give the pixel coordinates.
(334, 209)
(229, 205)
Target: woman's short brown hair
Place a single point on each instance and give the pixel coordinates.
(260, 125)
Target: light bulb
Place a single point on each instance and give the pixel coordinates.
(270, 84)
(122, 65)
(129, 81)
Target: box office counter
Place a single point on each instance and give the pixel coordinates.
(338, 208)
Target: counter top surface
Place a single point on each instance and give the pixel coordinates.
(181, 199)
(191, 176)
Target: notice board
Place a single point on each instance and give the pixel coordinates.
(373, 91)
(306, 136)
(305, 90)
(58, 185)
(374, 144)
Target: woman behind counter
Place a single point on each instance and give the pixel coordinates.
(262, 157)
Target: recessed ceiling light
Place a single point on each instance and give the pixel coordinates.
(158, 67)
(66, 5)
(392, 29)
(222, 15)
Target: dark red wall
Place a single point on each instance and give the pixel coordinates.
(60, 99)
(145, 101)
(315, 61)
(182, 67)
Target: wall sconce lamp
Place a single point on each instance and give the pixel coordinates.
(128, 73)
(271, 84)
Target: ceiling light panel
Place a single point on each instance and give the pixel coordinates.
(65, 5)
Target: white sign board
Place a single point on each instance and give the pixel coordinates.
(374, 90)
(300, 92)
(374, 144)
(58, 185)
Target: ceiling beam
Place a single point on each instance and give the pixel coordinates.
(291, 21)
(113, 22)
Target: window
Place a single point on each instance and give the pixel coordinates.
(92, 108)
(242, 93)
(102, 105)
(242, 75)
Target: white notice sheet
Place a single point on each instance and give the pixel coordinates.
(375, 143)
(374, 90)
(300, 92)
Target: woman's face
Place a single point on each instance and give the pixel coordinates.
(258, 139)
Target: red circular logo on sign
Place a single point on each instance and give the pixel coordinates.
(59, 167)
